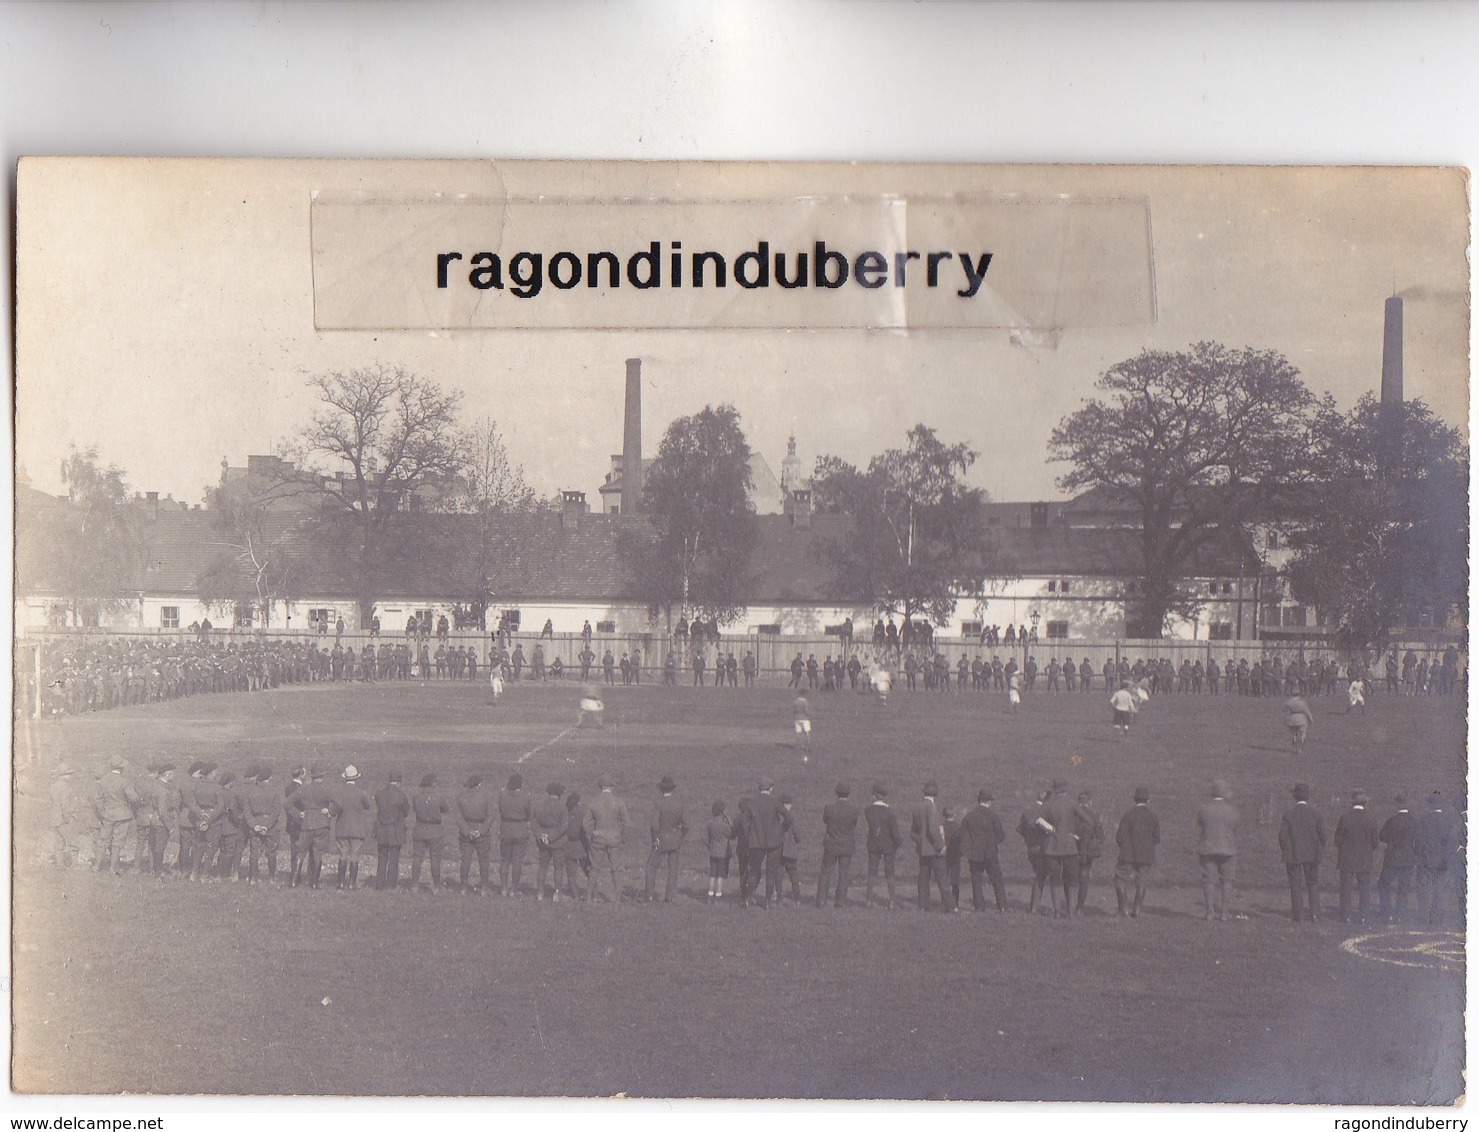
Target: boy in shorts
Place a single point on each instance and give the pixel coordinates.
(803, 723)
(1123, 703)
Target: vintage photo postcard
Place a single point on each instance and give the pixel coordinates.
(741, 631)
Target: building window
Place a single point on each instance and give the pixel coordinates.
(1057, 630)
(970, 628)
(1052, 587)
(605, 626)
(509, 619)
(1220, 631)
(773, 630)
(1295, 616)
(1227, 588)
(169, 617)
(1063, 586)
(1273, 540)
(243, 616)
(317, 617)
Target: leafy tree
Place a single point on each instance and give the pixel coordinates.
(1200, 443)
(696, 556)
(475, 552)
(916, 542)
(87, 552)
(383, 445)
(1385, 535)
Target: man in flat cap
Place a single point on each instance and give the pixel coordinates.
(1398, 861)
(1138, 834)
(262, 812)
(927, 831)
(765, 835)
(158, 813)
(313, 801)
(513, 834)
(981, 836)
(669, 828)
(1437, 843)
(839, 842)
(884, 841)
(207, 802)
(392, 808)
(1061, 847)
(473, 810)
(1301, 841)
(113, 802)
(1356, 839)
(428, 834)
(550, 825)
(1217, 847)
(608, 818)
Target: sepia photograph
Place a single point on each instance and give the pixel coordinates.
(847, 631)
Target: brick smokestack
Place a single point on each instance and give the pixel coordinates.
(631, 442)
(1391, 386)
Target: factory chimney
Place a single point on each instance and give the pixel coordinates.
(1391, 386)
(631, 444)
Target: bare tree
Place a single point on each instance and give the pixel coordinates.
(383, 445)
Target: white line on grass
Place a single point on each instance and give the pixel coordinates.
(542, 746)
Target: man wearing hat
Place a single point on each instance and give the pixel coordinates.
(981, 835)
(513, 833)
(158, 813)
(1217, 847)
(1301, 840)
(839, 841)
(765, 836)
(262, 812)
(927, 831)
(884, 841)
(1091, 838)
(353, 821)
(1436, 840)
(428, 835)
(229, 828)
(292, 820)
(113, 802)
(206, 803)
(669, 828)
(1061, 847)
(1138, 834)
(65, 808)
(392, 808)
(1398, 861)
(550, 824)
(608, 819)
(473, 810)
(1356, 839)
(313, 802)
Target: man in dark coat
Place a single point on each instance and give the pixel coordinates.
(1301, 840)
(392, 808)
(981, 835)
(429, 834)
(927, 831)
(884, 840)
(839, 841)
(262, 813)
(763, 844)
(1035, 838)
(1138, 834)
(312, 801)
(1356, 839)
(1061, 847)
(1436, 841)
(473, 810)
(1398, 861)
(669, 828)
(513, 833)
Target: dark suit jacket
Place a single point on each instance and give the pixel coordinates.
(841, 821)
(926, 829)
(1138, 834)
(765, 827)
(392, 808)
(1435, 839)
(1398, 834)
(668, 825)
(883, 828)
(981, 832)
(1302, 835)
(1356, 839)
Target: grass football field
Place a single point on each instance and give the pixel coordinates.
(161, 986)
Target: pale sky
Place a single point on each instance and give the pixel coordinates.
(165, 315)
